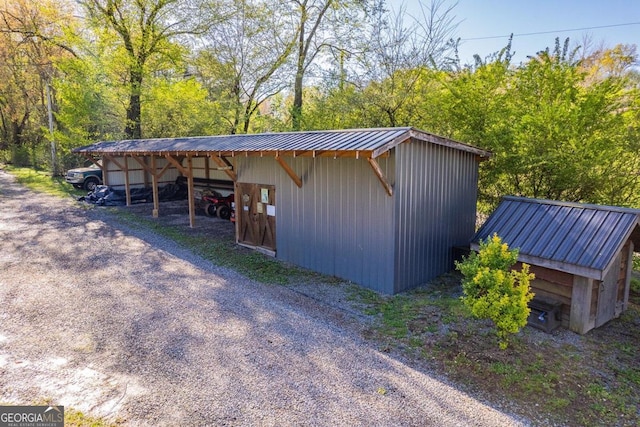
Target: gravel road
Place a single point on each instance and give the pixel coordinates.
(123, 324)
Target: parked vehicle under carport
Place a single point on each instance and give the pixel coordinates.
(87, 178)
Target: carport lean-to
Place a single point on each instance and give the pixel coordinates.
(350, 203)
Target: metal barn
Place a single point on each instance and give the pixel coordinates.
(380, 207)
(581, 254)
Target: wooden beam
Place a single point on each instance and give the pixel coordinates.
(383, 179)
(227, 167)
(112, 159)
(192, 206)
(177, 165)
(144, 165)
(92, 160)
(154, 185)
(105, 170)
(292, 174)
(127, 186)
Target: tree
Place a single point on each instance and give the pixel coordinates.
(401, 53)
(242, 61)
(179, 107)
(33, 40)
(146, 30)
(493, 291)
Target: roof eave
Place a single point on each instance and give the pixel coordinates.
(577, 270)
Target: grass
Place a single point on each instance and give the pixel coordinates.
(590, 382)
(226, 253)
(43, 182)
(561, 382)
(72, 417)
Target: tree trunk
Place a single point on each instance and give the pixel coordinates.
(133, 129)
(296, 109)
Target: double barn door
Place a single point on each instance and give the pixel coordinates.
(256, 216)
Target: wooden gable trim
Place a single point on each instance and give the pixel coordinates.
(391, 144)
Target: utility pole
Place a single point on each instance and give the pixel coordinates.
(54, 162)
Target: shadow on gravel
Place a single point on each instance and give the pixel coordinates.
(146, 332)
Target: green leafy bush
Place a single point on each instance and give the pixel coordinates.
(492, 290)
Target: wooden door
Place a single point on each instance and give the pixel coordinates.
(608, 295)
(256, 215)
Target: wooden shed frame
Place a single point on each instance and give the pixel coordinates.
(394, 166)
(581, 254)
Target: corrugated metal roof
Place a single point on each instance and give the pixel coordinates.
(339, 142)
(576, 238)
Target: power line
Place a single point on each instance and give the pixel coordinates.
(551, 32)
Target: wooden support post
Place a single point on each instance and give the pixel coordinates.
(192, 206)
(292, 174)
(207, 171)
(580, 317)
(383, 180)
(127, 188)
(145, 165)
(124, 167)
(156, 202)
(105, 170)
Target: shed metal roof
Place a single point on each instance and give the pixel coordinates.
(576, 238)
(337, 143)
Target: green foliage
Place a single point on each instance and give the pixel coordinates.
(179, 107)
(493, 291)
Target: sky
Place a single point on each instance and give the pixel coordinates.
(484, 25)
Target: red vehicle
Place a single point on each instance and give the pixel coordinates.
(216, 204)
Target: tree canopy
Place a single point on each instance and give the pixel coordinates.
(563, 124)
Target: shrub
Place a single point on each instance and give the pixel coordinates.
(492, 290)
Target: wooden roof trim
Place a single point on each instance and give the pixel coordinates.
(578, 270)
(439, 140)
(391, 144)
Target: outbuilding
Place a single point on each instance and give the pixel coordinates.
(380, 207)
(581, 254)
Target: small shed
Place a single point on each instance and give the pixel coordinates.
(581, 254)
(380, 207)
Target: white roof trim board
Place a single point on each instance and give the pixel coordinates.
(575, 238)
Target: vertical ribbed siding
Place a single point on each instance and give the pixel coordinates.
(436, 191)
(115, 176)
(339, 223)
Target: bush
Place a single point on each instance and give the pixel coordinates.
(492, 290)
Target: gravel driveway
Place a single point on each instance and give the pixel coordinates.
(123, 324)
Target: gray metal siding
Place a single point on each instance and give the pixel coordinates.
(339, 223)
(436, 193)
